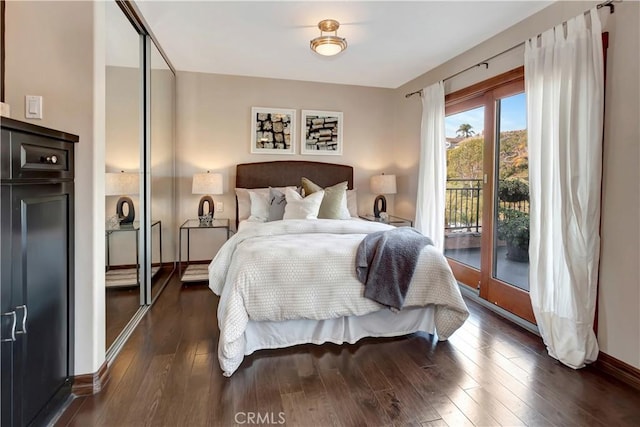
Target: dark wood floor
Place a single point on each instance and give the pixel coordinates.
(489, 373)
(122, 303)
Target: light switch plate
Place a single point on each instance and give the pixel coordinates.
(5, 110)
(220, 207)
(33, 107)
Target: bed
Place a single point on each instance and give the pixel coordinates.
(288, 282)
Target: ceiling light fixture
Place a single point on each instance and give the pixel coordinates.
(328, 45)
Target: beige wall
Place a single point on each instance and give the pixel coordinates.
(56, 49)
(619, 293)
(50, 50)
(619, 290)
(213, 133)
(163, 202)
(122, 148)
(123, 151)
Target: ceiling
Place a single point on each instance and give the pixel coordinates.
(389, 42)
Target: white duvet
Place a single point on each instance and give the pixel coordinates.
(305, 269)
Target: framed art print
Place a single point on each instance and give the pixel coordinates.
(273, 130)
(322, 133)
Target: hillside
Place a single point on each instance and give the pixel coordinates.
(465, 159)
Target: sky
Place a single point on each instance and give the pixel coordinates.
(513, 116)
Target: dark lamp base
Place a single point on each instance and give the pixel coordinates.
(131, 213)
(379, 205)
(209, 201)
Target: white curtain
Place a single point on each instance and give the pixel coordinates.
(564, 79)
(433, 166)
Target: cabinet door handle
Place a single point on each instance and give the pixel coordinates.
(13, 326)
(24, 319)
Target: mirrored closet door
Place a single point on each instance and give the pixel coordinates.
(123, 184)
(139, 166)
(161, 167)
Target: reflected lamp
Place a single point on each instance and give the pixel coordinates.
(123, 184)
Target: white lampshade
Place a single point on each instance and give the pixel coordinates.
(383, 184)
(207, 183)
(121, 183)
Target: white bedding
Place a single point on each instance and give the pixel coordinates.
(305, 269)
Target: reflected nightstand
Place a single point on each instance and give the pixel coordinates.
(119, 277)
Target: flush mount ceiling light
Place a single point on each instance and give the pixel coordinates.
(328, 45)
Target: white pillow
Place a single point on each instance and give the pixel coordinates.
(244, 202)
(259, 206)
(352, 202)
(302, 208)
(345, 213)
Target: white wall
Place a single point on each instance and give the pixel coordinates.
(50, 51)
(619, 288)
(213, 133)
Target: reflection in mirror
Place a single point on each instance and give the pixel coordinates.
(122, 167)
(162, 202)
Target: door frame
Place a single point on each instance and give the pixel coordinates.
(486, 93)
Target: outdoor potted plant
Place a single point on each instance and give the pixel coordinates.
(513, 224)
(513, 190)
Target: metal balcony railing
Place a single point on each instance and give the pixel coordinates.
(463, 205)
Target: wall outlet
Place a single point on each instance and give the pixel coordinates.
(219, 207)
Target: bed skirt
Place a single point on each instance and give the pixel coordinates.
(383, 323)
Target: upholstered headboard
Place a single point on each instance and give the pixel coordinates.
(289, 172)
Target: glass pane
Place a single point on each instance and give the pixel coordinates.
(162, 201)
(123, 122)
(463, 200)
(511, 248)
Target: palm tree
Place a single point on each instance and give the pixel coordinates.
(465, 130)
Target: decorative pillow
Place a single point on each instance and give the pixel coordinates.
(259, 206)
(244, 202)
(334, 203)
(277, 203)
(302, 208)
(352, 202)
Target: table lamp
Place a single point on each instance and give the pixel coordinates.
(206, 183)
(123, 184)
(382, 184)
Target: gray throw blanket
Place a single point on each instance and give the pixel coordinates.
(385, 263)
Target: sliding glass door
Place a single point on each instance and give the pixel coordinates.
(463, 213)
(487, 198)
(511, 213)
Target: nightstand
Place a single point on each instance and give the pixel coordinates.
(197, 272)
(396, 221)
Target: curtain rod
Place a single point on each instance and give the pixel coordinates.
(608, 3)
